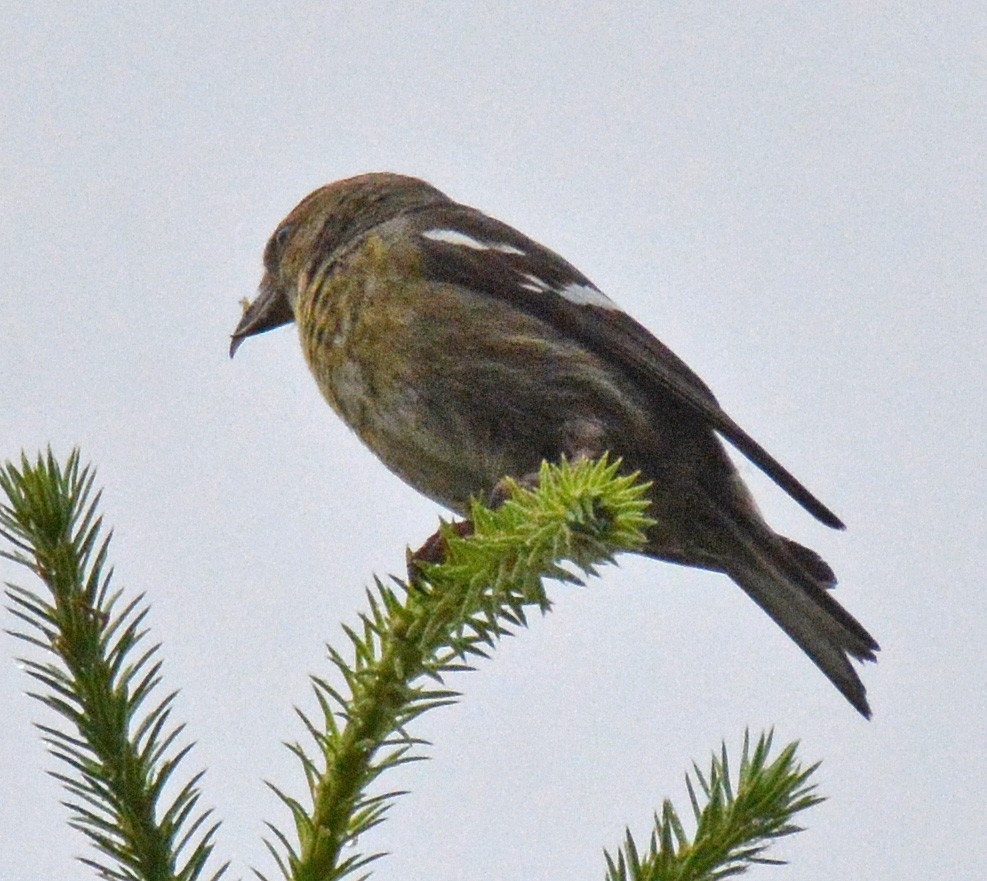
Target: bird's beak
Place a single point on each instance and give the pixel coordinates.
(269, 310)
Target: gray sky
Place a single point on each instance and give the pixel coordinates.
(790, 195)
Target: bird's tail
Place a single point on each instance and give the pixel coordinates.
(791, 583)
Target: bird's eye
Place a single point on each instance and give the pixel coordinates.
(282, 235)
(276, 246)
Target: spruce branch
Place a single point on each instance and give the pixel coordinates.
(119, 754)
(417, 632)
(734, 824)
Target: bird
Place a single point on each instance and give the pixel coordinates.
(463, 353)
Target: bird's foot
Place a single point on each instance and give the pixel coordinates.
(502, 491)
(435, 549)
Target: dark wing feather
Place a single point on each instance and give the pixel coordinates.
(505, 267)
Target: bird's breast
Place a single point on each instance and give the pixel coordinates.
(366, 335)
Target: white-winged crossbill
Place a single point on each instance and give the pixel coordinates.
(462, 352)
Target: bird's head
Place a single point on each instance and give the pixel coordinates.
(316, 232)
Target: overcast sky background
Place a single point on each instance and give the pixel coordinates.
(790, 195)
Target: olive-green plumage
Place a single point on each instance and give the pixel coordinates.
(462, 352)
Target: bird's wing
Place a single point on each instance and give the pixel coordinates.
(462, 246)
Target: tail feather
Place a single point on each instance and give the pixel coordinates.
(813, 565)
(792, 583)
(819, 625)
